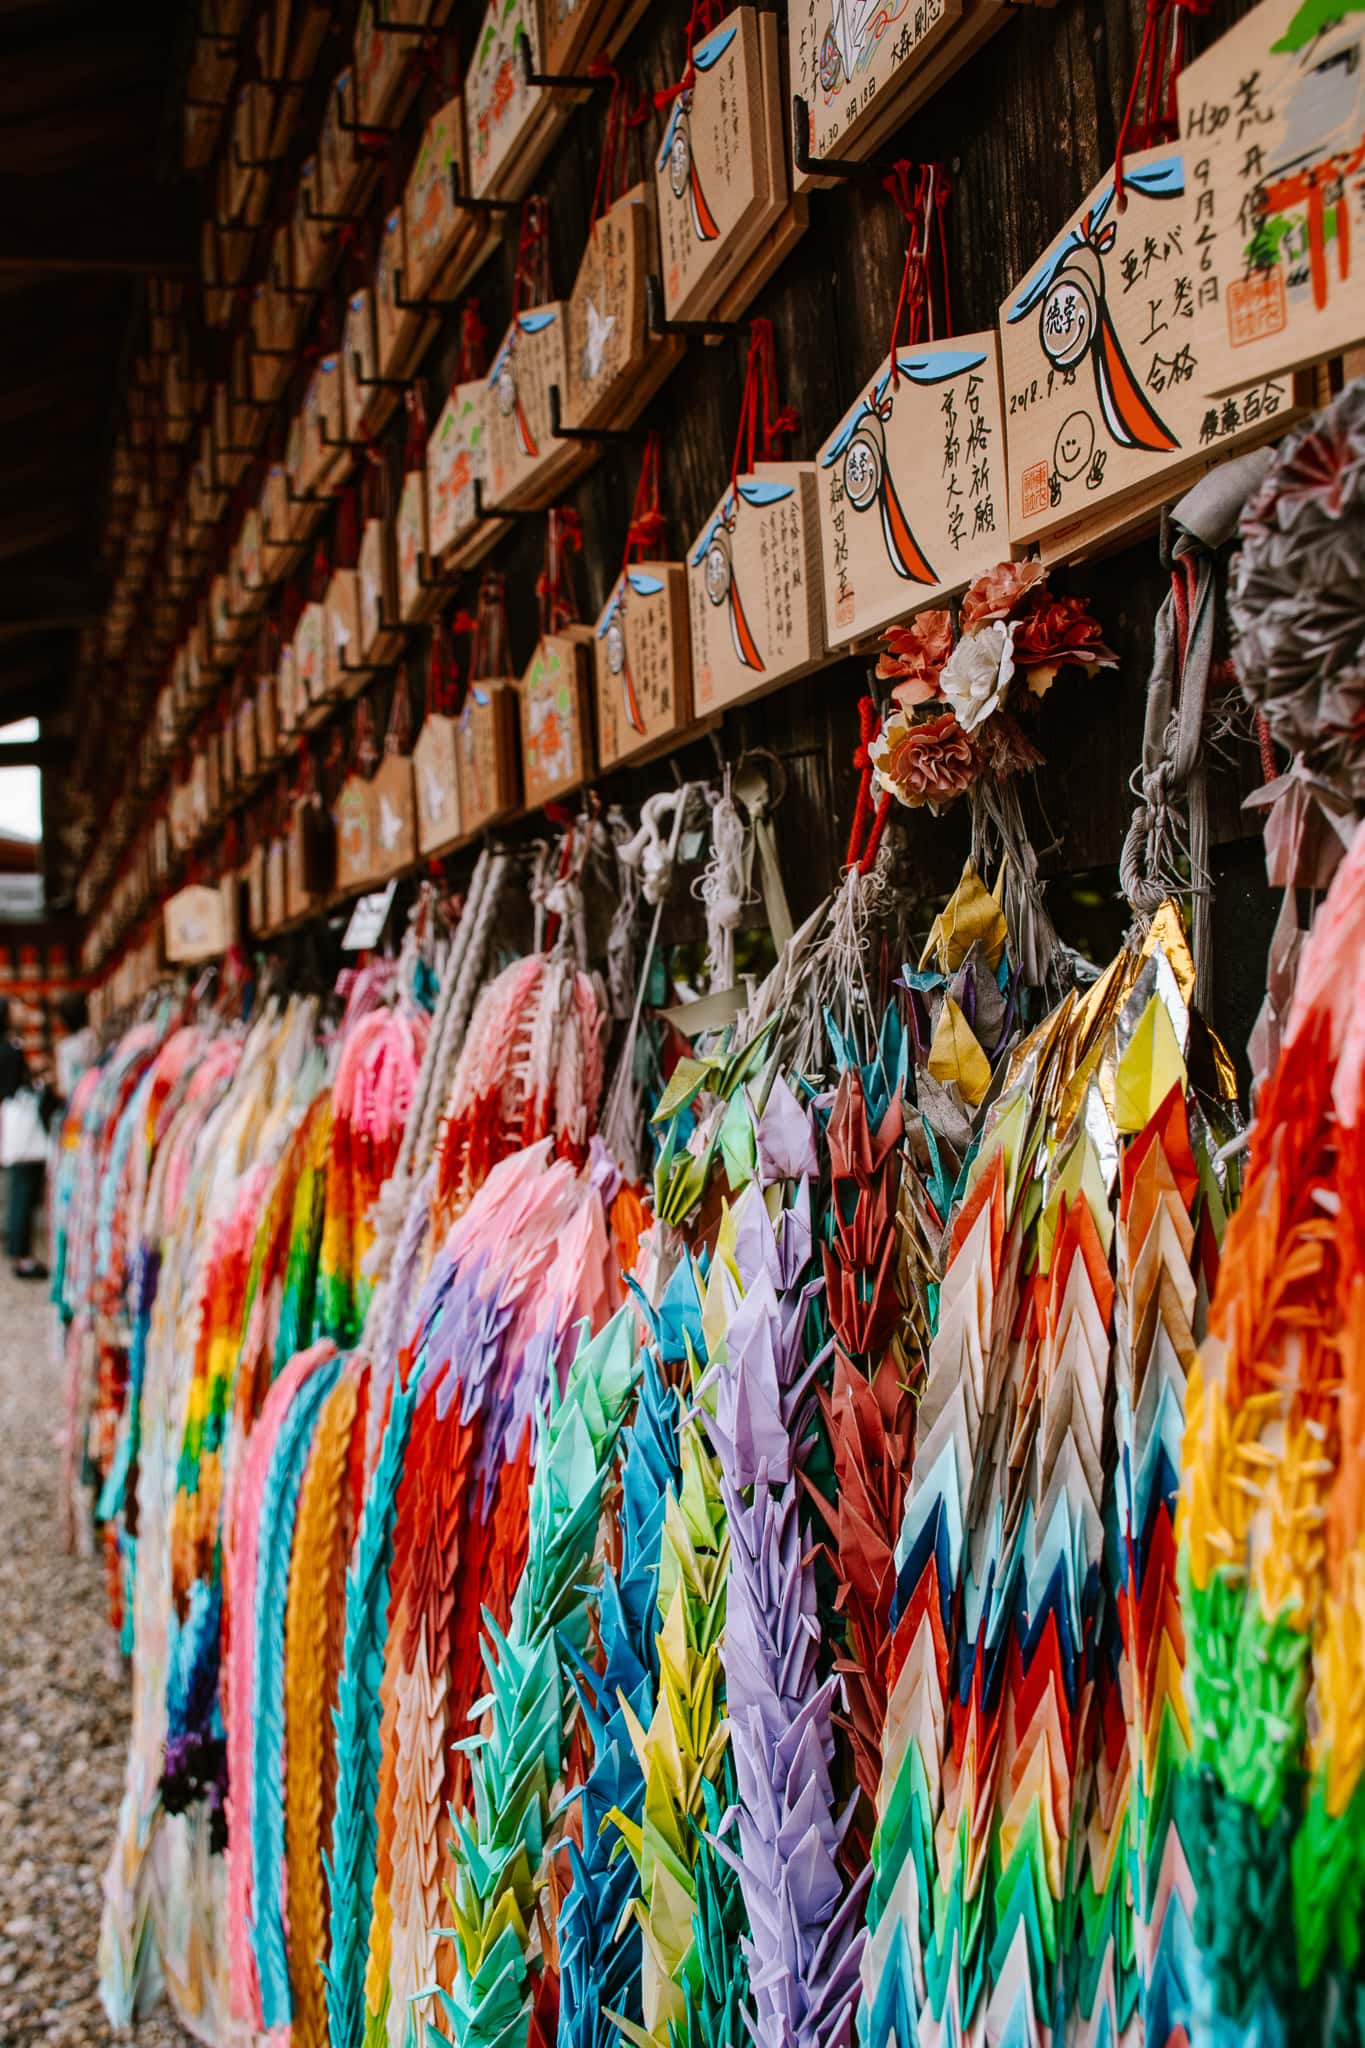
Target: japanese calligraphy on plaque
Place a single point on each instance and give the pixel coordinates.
(848, 57)
(1103, 386)
(642, 661)
(411, 547)
(712, 176)
(912, 486)
(614, 365)
(533, 356)
(487, 753)
(500, 108)
(556, 724)
(1272, 118)
(755, 599)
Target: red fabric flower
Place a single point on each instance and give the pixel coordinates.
(925, 761)
(914, 656)
(1059, 630)
(996, 594)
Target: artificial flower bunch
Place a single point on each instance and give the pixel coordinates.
(955, 696)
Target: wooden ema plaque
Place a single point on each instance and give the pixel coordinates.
(576, 31)
(398, 329)
(353, 819)
(276, 885)
(360, 361)
(713, 170)
(382, 58)
(346, 672)
(195, 926)
(487, 764)
(556, 722)
(378, 575)
(435, 769)
(502, 112)
(1103, 386)
(912, 487)
(394, 842)
(438, 232)
(457, 455)
(614, 363)
(310, 665)
(1272, 118)
(308, 856)
(864, 66)
(755, 598)
(525, 464)
(414, 601)
(642, 662)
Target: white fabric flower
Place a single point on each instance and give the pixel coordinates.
(977, 674)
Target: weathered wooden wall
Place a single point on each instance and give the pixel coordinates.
(1025, 129)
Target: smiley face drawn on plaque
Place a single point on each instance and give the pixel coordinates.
(1069, 292)
(676, 153)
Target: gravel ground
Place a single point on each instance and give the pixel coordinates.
(63, 1719)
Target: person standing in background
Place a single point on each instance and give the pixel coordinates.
(76, 1046)
(23, 1148)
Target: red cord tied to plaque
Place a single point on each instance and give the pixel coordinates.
(919, 193)
(531, 283)
(364, 753)
(705, 15)
(764, 424)
(443, 679)
(645, 534)
(305, 770)
(472, 361)
(347, 540)
(398, 732)
(320, 575)
(1160, 58)
(869, 817)
(554, 585)
(621, 163)
(489, 658)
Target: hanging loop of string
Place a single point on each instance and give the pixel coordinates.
(398, 732)
(705, 15)
(1160, 58)
(644, 535)
(554, 586)
(415, 444)
(621, 163)
(763, 424)
(531, 283)
(919, 193)
(869, 817)
(442, 685)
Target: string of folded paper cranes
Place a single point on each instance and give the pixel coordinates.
(887, 1563)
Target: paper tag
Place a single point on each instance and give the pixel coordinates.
(367, 921)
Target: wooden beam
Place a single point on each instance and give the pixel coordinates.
(93, 225)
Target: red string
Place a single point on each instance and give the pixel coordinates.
(321, 573)
(644, 535)
(554, 585)
(763, 423)
(1270, 767)
(531, 286)
(415, 446)
(1161, 55)
(473, 356)
(399, 729)
(909, 199)
(347, 536)
(704, 17)
(442, 685)
(621, 163)
(869, 823)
